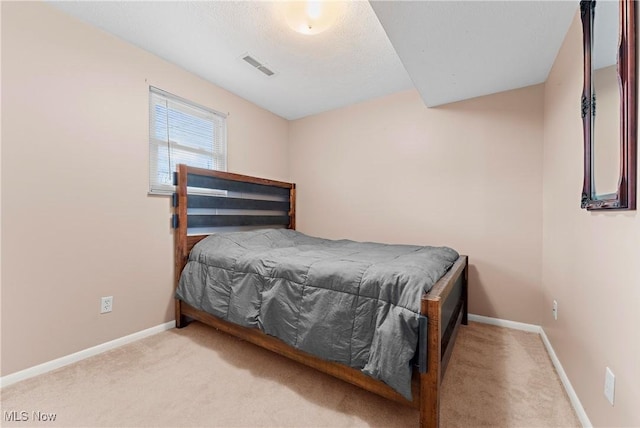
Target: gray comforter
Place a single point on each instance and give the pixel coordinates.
(351, 302)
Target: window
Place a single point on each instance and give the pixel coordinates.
(182, 132)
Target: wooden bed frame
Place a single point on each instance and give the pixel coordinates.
(443, 309)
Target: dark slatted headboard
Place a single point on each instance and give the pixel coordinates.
(207, 199)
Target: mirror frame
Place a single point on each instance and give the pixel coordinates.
(625, 197)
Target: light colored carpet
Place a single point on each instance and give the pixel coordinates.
(198, 376)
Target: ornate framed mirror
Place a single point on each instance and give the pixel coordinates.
(610, 83)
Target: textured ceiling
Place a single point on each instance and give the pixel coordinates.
(452, 50)
(351, 62)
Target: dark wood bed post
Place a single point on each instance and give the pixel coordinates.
(465, 294)
(292, 207)
(430, 381)
(437, 357)
(180, 236)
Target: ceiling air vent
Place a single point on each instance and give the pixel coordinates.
(257, 64)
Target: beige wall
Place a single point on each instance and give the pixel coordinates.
(591, 260)
(468, 175)
(77, 223)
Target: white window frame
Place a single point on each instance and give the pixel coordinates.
(216, 158)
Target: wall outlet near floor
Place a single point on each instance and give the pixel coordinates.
(106, 304)
(609, 385)
(555, 309)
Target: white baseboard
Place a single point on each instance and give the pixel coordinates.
(573, 397)
(575, 401)
(81, 355)
(505, 323)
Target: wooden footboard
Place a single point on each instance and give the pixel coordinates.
(443, 309)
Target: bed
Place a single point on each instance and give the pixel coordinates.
(208, 201)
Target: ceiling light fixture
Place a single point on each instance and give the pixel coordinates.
(313, 16)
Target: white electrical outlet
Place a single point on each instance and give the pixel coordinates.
(555, 309)
(106, 304)
(609, 385)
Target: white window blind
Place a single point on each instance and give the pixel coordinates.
(182, 132)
